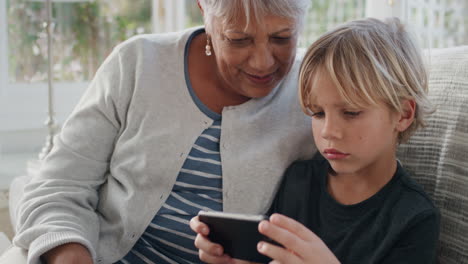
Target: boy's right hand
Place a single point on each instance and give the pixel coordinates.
(71, 253)
(208, 251)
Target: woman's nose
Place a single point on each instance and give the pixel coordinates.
(262, 59)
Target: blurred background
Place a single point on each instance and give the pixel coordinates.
(84, 32)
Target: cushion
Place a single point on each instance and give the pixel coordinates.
(437, 155)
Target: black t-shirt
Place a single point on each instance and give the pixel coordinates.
(399, 224)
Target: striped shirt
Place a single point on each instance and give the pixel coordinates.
(169, 239)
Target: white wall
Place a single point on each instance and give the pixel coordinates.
(25, 106)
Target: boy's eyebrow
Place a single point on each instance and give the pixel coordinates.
(341, 104)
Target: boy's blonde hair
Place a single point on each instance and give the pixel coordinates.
(369, 61)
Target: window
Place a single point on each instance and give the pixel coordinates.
(323, 15)
(440, 23)
(83, 34)
(85, 31)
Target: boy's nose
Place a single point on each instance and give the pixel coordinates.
(331, 129)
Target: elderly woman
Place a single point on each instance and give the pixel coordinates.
(207, 118)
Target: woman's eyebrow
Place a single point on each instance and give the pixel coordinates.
(246, 33)
(281, 31)
(235, 31)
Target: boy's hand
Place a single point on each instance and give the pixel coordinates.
(208, 251)
(71, 253)
(300, 244)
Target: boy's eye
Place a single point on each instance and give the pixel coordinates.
(318, 114)
(352, 114)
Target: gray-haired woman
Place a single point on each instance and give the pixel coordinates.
(207, 118)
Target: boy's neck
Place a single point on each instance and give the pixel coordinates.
(354, 188)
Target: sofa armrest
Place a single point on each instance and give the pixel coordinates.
(15, 195)
(14, 255)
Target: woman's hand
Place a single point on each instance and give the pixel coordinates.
(208, 251)
(71, 253)
(300, 244)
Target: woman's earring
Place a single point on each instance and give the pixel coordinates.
(208, 47)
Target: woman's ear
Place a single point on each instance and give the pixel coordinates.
(406, 118)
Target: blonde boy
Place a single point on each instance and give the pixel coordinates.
(364, 84)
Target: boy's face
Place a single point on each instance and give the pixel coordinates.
(356, 141)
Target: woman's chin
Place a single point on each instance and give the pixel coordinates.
(255, 90)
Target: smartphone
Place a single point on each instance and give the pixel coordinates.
(237, 233)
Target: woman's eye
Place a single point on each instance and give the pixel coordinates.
(281, 40)
(239, 40)
(352, 113)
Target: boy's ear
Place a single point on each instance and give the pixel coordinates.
(407, 117)
(199, 6)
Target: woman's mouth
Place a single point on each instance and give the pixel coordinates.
(261, 79)
(333, 154)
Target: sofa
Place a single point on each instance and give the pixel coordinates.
(437, 155)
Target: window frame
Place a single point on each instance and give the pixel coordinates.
(174, 18)
(3, 49)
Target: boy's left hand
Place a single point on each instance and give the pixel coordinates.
(300, 244)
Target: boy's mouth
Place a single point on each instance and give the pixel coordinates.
(334, 154)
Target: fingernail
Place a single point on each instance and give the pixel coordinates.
(204, 231)
(260, 246)
(219, 251)
(273, 217)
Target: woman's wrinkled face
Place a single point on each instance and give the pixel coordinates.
(252, 60)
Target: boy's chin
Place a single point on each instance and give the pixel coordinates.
(340, 169)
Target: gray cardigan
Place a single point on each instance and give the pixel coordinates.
(119, 153)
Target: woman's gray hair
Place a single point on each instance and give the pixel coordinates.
(230, 10)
